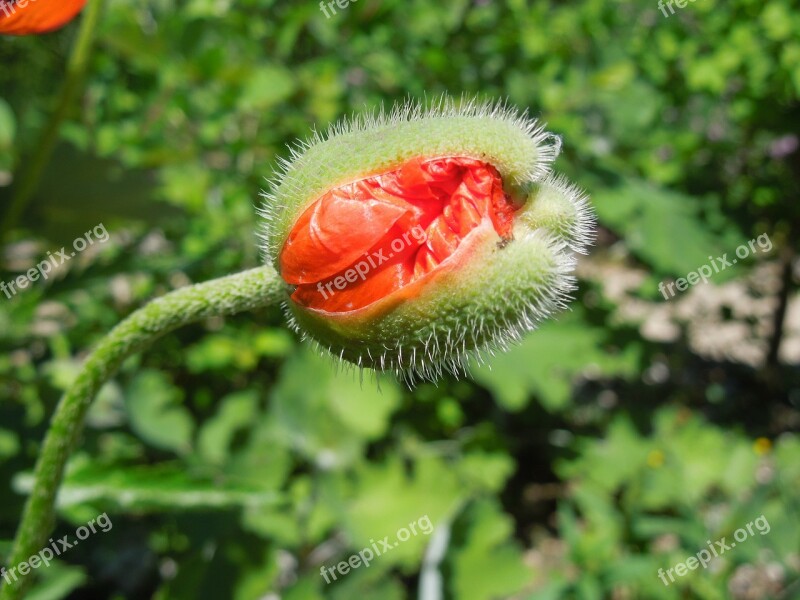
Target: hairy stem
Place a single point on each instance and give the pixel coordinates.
(77, 65)
(224, 296)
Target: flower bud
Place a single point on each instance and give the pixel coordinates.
(415, 240)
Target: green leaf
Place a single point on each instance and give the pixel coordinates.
(156, 415)
(327, 415)
(163, 488)
(486, 471)
(488, 548)
(612, 462)
(267, 86)
(236, 412)
(663, 228)
(9, 444)
(387, 498)
(57, 582)
(548, 362)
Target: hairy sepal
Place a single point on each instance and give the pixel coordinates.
(562, 208)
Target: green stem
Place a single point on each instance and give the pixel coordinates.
(77, 64)
(224, 296)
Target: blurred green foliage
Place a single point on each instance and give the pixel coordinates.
(235, 462)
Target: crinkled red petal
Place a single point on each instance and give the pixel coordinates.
(36, 16)
(362, 241)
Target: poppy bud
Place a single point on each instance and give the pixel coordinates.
(36, 16)
(417, 239)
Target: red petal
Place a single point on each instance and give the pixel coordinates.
(365, 240)
(441, 239)
(335, 232)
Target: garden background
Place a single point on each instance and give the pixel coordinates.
(235, 462)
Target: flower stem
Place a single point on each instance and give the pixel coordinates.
(77, 65)
(225, 296)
